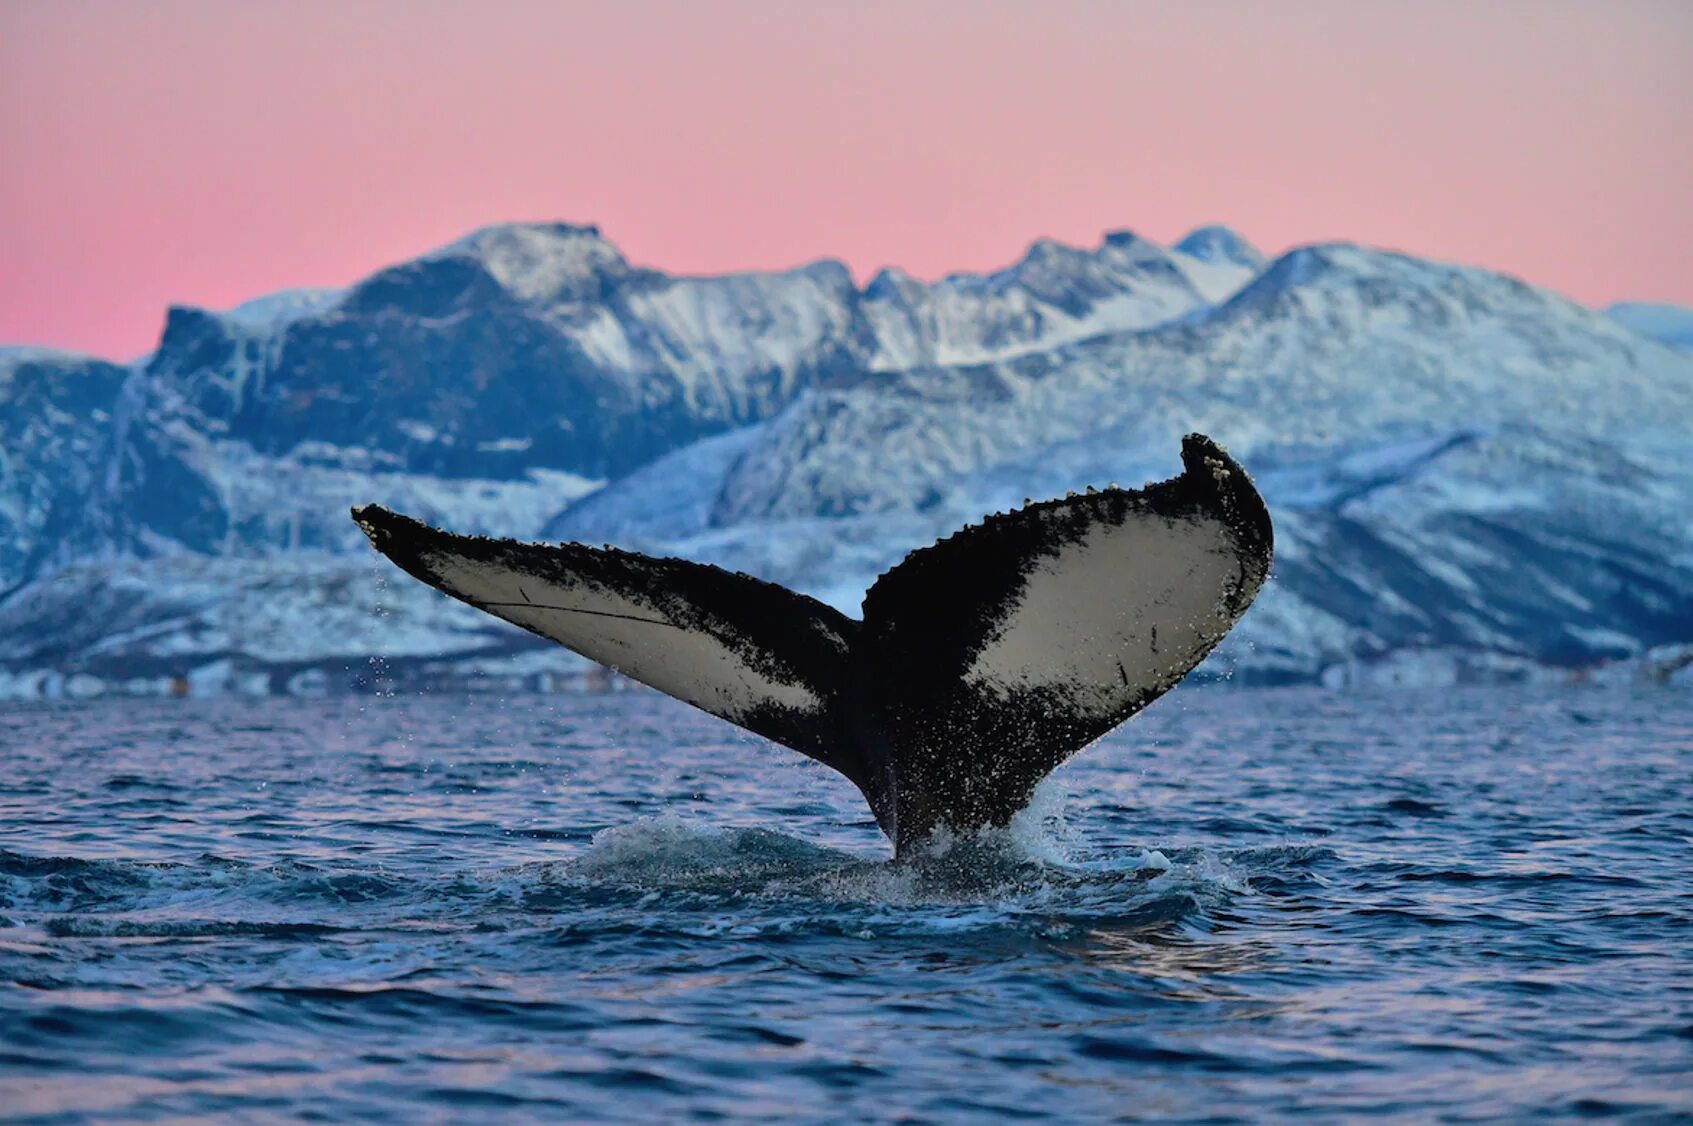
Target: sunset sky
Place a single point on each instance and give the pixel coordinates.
(205, 153)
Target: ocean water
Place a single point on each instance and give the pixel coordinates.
(1242, 905)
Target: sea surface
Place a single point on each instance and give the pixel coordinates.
(1243, 905)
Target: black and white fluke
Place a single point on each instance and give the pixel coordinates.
(982, 661)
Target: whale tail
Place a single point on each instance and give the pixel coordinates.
(982, 663)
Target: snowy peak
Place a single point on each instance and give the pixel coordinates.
(541, 262)
(1076, 280)
(1055, 294)
(536, 264)
(14, 357)
(1218, 244)
(276, 310)
(1126, 248)
(893, 284)
(1123, 260)
(1367, 288)
(1297, 268)
(1048, 258)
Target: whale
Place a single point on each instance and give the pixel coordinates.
(980, 663)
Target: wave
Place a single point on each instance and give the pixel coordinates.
(758, 878)
(86, 926)
(656, 875)
(68, 883)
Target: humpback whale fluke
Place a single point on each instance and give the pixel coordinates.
(982, 662)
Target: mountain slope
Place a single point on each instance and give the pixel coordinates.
(1054, 295)
(517, 347)
(1456, 462)
(1330, 345)
(1667, 324)
(55, 424)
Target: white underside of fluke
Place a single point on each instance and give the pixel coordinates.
(659, 644)
(1127, 608)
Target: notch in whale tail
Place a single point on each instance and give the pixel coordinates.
(982, 663)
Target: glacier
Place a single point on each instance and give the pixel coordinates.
(1471, 477)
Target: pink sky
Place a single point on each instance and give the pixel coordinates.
(208, 152)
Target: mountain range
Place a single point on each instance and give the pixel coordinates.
(1470, 477)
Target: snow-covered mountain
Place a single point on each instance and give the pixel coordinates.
(1455, 460)
(56, 422)
(1332, 345)
(492, 381)
(1054, 295)
(1464, 469)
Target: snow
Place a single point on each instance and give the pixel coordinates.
(276, 310)
(1413, 400)
(15, 355)
(733, 340)
(1218, 244)
(1055, 294)
(1667, 324)
(538, 261)
(1363, 342)
(672, 497)
(289, 503)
